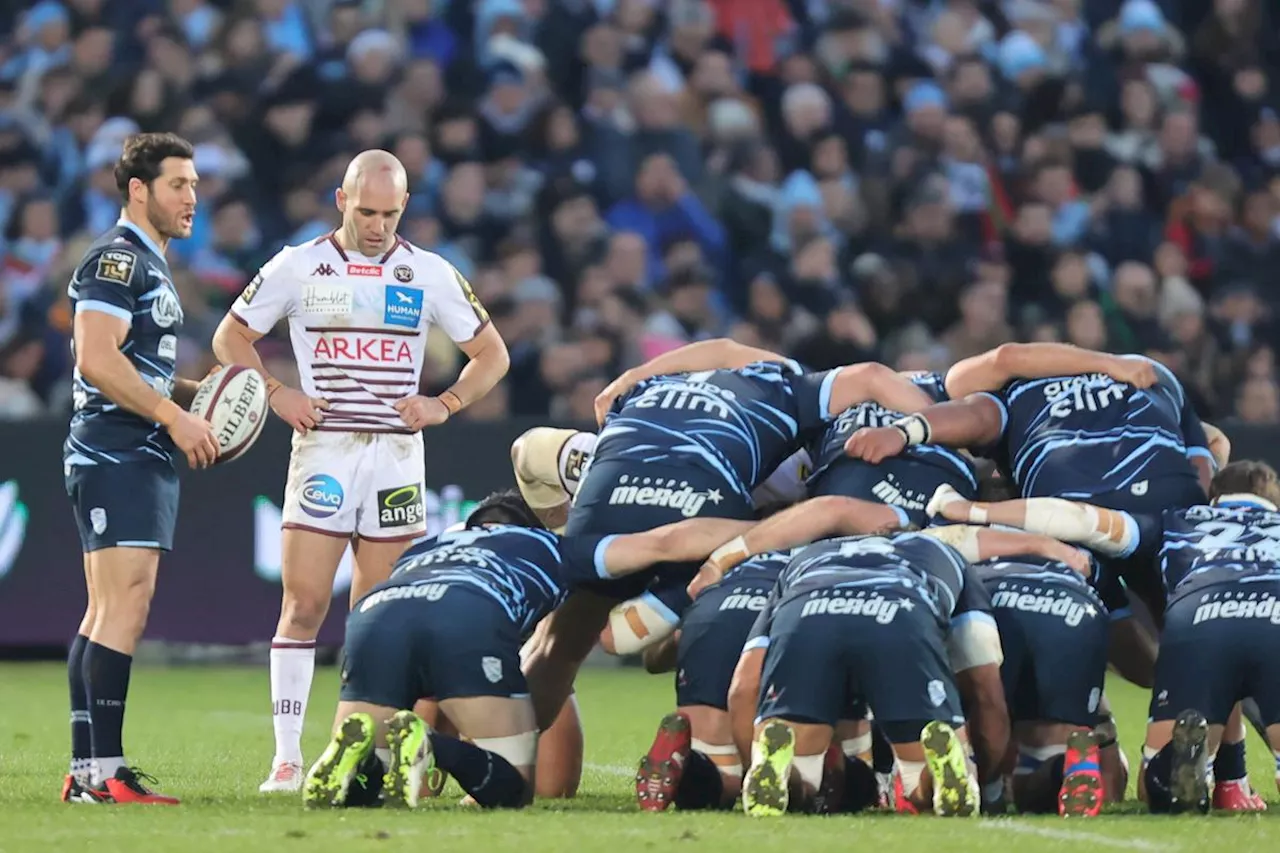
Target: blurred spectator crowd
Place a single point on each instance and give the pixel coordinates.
(912, 181)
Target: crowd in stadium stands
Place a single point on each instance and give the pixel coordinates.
(912, 181)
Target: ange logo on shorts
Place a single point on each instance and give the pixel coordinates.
(401, 507)
(321, 496)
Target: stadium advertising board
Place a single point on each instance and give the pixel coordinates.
(221, 584)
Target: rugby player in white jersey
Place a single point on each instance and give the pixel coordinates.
(358, 303)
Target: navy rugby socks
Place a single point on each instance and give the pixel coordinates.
(106, 677)
(1229, 766)
(81, 743)
(486, 776)
(701, 786)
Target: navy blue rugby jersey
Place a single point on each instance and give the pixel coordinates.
(528, 572)
(125, 275)
(738, 425)
(1079, 437)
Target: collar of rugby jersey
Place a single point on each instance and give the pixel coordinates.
(1242, 500)
(126, 222)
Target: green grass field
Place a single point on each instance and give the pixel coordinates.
(206, 734)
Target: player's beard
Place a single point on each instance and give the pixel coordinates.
(169, 226)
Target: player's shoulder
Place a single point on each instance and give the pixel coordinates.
(293, 258)
(412, 264)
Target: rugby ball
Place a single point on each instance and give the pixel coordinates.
(234, 400)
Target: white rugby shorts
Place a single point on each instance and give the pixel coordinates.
(365, 483)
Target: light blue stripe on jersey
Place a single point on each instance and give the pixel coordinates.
(668, 615)
(138, 543)
(824, 394)
(763, 643)
(142, 235)
(105, 308)
(602, 571)
(1132, 535)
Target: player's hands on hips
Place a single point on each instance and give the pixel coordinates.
(194, 437)
(297, 409)
(875, 444)
(1138, 372)
(418, 411)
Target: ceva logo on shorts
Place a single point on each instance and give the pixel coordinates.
(321, 496)
(13, 525)
(403, 306)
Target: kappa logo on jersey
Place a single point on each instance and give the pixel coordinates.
(321, 496)
(1238, 605)
(365, 270)
(116, 265)
(165, 308)
(400, 507)
(650, 491)
(862, 603)
(429, 591)
(13, 525)
(1036, 600)
(403, 306)
(325, 269)
(403, 273)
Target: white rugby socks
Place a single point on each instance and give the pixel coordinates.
(293, 663)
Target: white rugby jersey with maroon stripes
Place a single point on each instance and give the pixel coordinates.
(359, 325)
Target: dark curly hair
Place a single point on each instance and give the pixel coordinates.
(144, 153)
(504, 507)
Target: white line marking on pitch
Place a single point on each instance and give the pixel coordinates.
(1074, 835)
(611, 769)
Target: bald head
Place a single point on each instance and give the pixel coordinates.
(372, 199)
(375, 167)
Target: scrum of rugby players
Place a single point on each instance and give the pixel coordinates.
(873, 642)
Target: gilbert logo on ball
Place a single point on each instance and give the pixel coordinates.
(13, 525)
(321, 496)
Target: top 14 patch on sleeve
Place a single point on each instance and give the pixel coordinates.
(116, 265)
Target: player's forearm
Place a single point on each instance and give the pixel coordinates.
(1103, 530)
(478, 377)
(987, 716)
(971, 422)
(232, 346)
(992, 370)
(111, 372)
(820, 518)
(717, 354)
(695, 539)
(858, 383)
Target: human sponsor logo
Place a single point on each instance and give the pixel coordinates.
(400, 507)
(419, 591)
(403, 273)
(333, 347)
(13, 525)
(492, 668)
(872, 605)
(364, 270)
(657, 492)
(403, 306)
(1027, 599)
(327, 299)
(321, 496)
(324, 270)
(1262, 606)
(165, 308)
(116, 265)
